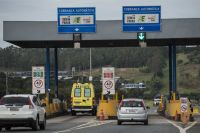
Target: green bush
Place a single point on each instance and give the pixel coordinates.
(179, 62)
(144, 70)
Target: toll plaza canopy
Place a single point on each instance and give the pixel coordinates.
(42, 34)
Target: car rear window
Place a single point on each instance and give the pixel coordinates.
(17, 101)
(77, 92)
(157, 97)
(87, 92)
(132, 104)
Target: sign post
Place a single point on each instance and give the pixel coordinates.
(76, 20)
(141, 18)
(38, 80)
(108, 76)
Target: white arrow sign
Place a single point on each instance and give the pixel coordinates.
(141, 28)
(141, 37)
(77, 29)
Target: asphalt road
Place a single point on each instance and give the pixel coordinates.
(89, 124)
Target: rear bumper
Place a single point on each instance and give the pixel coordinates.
(82, 108)
(17, 118)
(18, 115)
(16, 122)
(132, 117)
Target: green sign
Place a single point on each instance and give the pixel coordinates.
(141, 36)
(38, 80)
(38, 74)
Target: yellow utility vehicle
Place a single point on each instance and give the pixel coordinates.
(83, 98)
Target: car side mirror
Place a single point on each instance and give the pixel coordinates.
(43, 105)
(147, 107)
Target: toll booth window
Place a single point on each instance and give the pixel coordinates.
(87, 92)
(77, 92)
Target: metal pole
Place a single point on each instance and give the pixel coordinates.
(7, 92)
(72, 73)
(174, 68)
(90, 62)
(56, 71)
(47, 69)
(170, 70)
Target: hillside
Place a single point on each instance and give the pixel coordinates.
(133, 65)
(188, 76)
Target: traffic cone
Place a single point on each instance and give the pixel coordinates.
(187, 116)
(177, 118)
(185, 119)
(101, 115)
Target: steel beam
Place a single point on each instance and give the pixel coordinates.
(172, 69)
(47, 69)
(56, 71)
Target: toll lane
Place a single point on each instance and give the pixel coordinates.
(57, 124)
(89, 124)
(157, 124)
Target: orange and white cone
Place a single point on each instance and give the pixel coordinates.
(101, 115)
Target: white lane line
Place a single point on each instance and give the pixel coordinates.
(60, 119)
(86, 125)
(93, 125)
(182, 130)
(74, 127)
(67, 130)
(194, 123)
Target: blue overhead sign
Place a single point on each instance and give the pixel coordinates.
(76, 20)
(141, 18)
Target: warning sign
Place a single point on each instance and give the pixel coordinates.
(108, 83)
(184, 105)
(38, 80)
(38, 83)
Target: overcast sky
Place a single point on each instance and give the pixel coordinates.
(46, 10)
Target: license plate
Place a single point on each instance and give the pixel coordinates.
(14, 109)
(131, 111)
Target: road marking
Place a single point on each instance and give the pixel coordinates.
(190, 125)
(73, 128)
(60, 119)
(85, 125)
(182, 130)
(71, 118)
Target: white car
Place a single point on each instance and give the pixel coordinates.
(132, 110)
(22, 110)
(156, 101)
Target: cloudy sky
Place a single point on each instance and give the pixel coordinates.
(46, 10)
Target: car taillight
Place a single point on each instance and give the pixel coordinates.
(143, 105)
(120, 105)
(30, 104)
(1, 101)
